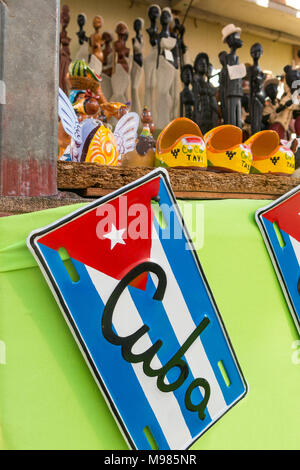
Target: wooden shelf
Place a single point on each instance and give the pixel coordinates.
(94, 180)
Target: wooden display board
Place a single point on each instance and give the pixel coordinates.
(94, 180)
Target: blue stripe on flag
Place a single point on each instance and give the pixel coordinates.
(87, 307)
(154, 315)
(288, 262)
(198, 302)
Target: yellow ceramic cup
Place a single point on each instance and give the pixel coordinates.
(269, 156)
(225, 150)
(181, 144)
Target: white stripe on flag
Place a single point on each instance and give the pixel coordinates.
(183, 325)
(164, 405)
(296, 246)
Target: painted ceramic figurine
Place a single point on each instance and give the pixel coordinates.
(96, 44)
(187, 98)
(92, 141)
(120, 77)
(206, 107)
(257, 96)
(144, 152)
(137, 65)
(83, 78)
(64, 54)
(167, 74)
(154, 13)
(147, 121)
(87, 99)
(235, 73)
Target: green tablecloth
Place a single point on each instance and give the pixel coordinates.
(48, 398)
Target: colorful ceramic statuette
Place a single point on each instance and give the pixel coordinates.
(142, 312)
(279, 224)
(225, 150)
(269, 156)
(91, 141)
(181, 144)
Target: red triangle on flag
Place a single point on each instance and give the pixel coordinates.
(287, 216)
(112, 237)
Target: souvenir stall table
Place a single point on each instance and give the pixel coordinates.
(48, 398)
(225, 322)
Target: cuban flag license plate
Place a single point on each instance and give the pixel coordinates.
(279, 224)
(135, 297)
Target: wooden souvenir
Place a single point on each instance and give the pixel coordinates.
(120, 77)
(284, 112)
(96, 45)
(206, 107)
(223, 85)
(108, 59)
(167, 75)
(83, 51)
(187, 98)
(271, 102)
(235, 73)
(137, 64)
(257, 96)
(64, 54)
(150, 60)
(179, 31)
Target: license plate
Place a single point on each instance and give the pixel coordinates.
(279, 224)
(136, 299)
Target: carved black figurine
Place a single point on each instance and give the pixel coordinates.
(137, 41)
(154, 12)
(178, 32)
(82, 37)
(167, 75)
(223, 85)
(206, 107)
(187, 99)
(257, 96)
(234, 91)
(271, 102)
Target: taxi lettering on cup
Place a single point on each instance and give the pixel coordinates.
(194, 149)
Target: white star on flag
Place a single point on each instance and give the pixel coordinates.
(115, 236)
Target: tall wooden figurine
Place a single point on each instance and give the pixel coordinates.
(154, 13)
(271, 102)
(64, 53)
(257, 96)
(83, 51)
(108, 58)
(179, 31)
(287, 107)
(235, 73)
(120, 77)
(187, 98)
(137, 65)
(223, 84)
(206, 107)
(96, 44)
(167, 74)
